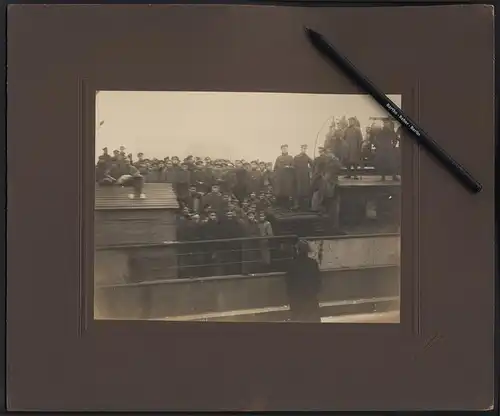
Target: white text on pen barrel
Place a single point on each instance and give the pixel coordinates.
(401, 118)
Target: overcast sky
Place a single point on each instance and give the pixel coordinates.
(222, 124)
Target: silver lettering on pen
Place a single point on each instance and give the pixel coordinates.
(391, 109)
(402, 119)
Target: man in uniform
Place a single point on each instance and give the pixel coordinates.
(385, 153)
(106, 157)
(122, 152)
(116, 156)
(240, 189)
(141, 165)
(211, 230)
(284, 178)
(230, 251)
(255, 178)
(353, 139)
(101, 169)
(303, 165)
(250, 247)
(122, 173)
(267, 175)
(181, 183)
(193, 200)
(196, 257)
(199, 178)
(330, 136)
(214, 200)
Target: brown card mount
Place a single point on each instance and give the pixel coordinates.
(439, 357)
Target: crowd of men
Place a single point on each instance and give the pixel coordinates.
(222, 199)
(379, 145)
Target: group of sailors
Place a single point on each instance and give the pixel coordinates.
(200, 183)
(218, 190)
(231, 242)
(380, 145)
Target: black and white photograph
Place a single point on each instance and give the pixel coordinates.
(246, 207)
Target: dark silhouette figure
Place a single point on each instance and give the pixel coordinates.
(303, 282)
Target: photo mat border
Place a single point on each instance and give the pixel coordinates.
(408, 285)
(88, 350)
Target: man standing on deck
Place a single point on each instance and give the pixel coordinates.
(353, 139)
(303, 283)
(302, 166)
(385, 153)
(284, 178)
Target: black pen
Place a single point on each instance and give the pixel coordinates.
(422, 138)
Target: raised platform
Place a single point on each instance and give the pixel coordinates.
(159, 196)
(368, 181)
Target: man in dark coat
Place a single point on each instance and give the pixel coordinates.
(330, 137)
(193, 200)
(181, 183)
(230, 251)
(217, 173)
(211, 230)
(303, 283)
(284, 178)
(167, 171)
(214, 200)
(122, 152)
(184, 233)
(267, 175)
(240, 189)
(255, 178)
(200, 177)
(116, 156)
(353, 139)
(318, 162)
(196, 250)
(173, 169)
(101, 168)
(251, 248)
(386, 139)
(302, 166)
(228, 179)
(105, 155)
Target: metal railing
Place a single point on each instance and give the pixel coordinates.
(244, 256)
(217, 258)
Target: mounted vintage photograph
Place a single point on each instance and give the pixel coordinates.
(246, 207)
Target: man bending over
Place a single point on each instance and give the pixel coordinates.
(123, 173)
